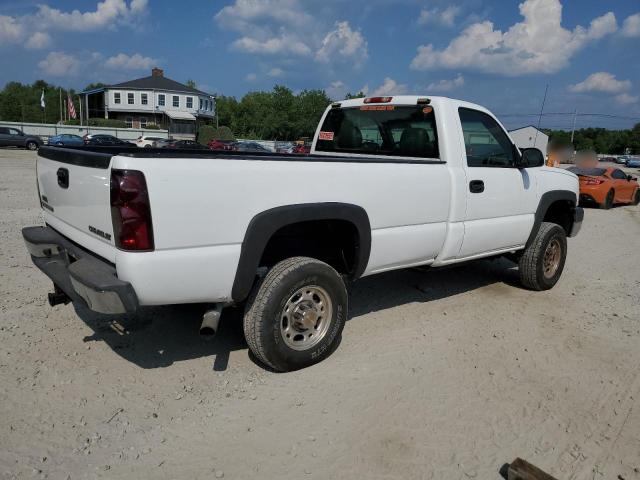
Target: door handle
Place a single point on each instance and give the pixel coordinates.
(63, 177)
(476, 186)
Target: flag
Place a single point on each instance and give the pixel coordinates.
(71, 108)
(42, 99)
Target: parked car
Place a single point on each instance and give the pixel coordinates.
(608, 159)
(284, 147)
(106, 141)
(186, 144)
(251, 147)
(162, 143)
(606, 186)
(633, 162)
(286, 235)
(222, 145)
(66, 139)
(622, 160)
(302, 149)
(146, 142)
(14, 137)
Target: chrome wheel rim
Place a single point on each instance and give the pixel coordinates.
(552, 256)
(306, 317)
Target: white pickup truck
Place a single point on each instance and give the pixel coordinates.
(391, 182)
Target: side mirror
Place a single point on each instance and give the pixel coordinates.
(531, 157)
(629, 178)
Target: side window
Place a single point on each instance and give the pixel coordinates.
(176, 101)
(13, 131)
(116, 97)
(161, 100)
(130, 99)
(189, 102)
(485, 142)
(619, 175)
(144, 99)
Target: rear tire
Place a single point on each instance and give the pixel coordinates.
(31, 145)
(295, 316)
(542, 262)
(608, 201)
(636, 198)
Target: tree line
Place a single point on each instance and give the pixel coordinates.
(279, 114)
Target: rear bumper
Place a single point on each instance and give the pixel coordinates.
(82, 276)
(578, 216)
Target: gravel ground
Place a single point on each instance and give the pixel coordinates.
(440, 375)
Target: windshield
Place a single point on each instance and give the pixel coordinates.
(404, 131)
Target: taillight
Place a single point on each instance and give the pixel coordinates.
(378, 99)
(130, 210)
(594, 181)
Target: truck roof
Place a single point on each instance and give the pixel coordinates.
(411, 100)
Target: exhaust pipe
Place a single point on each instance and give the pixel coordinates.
(210, 320)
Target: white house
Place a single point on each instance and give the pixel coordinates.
(153, 100)
(530, 136)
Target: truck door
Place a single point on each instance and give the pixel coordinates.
(501, 199)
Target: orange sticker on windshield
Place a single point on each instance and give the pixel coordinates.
(377, 107)
(325, 136)
(427, 110)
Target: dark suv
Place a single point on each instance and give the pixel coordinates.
(12, 137)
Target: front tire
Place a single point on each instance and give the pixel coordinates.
(542, 262)
(31, 145)
(608, 201)
(295, 316)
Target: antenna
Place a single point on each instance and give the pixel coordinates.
(540, 116)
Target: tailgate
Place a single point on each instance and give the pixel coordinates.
(74, 188)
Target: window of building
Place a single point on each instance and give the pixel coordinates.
(176, 101)
(161, 100)
(130, 100)
(143, 122)
(189, 102)
(200, 104)
(485, 142)
(129, 122)
(116, 97)
(144, 100)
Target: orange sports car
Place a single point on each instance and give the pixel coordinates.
(606, 186)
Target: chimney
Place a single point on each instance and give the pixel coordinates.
(157, 72)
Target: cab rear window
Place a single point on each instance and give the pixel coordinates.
(391, 130)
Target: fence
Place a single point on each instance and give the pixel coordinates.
(46, 130)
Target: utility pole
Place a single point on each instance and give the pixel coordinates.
(573, 129)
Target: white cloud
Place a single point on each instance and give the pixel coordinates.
(538, 44)
(601, 82)
(436, 16)
(292, 28)
(626, 99)
(446, 85)
(59, 64)
(631, 26)
(243, 13)
(11, 30)
(108, 13)
(133, 62)
(251, 77)
(343, 42)
(389, 87)
(336, 90)
(284, 44)
(38, 41)
(275, 72)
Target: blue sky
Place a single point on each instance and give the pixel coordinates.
(497, 53)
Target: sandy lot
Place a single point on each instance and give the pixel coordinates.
(440, 375)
